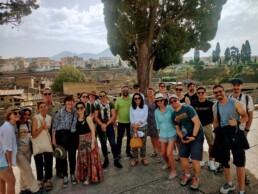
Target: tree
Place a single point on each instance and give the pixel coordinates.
(196, 56)
(227, 55)
(216, 54)
(67, 74)
(243, 53)
(248, 51)
(154, 34)
(13, 10)
(235, 56)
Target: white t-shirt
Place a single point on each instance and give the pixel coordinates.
(23, 135)
(139, 115)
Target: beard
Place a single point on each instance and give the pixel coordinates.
(125, 94)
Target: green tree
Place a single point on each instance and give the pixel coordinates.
(227, 55)
(13, 10)
(216, 54)
(243, 53)
(196, 56)
(153, 34)
(235, 56)
(248, 51)
(67, 74)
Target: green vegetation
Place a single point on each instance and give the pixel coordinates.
(67, 74)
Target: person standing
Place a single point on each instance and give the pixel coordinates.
(190, 131)
(138, 119)
(179, 92)
(104, 115)
(41, 122)
(191, 92)
(228, 115)
(28, 183)
(248, 105)
(203, 108)
(122, 107)
(64, 134)
(8, 150)
(136, 89)
(89, 168)
(163, 91)
(167, 133)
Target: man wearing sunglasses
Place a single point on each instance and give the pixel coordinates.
(191, 92)
(228, 115)
(190, 131)
(203, 108)
(105, 115)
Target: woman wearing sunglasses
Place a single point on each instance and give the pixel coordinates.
(167, 133)
(89, 168)
(138, 119)
(28, 183)
(84, 97)
(182, 98)
(8, 151)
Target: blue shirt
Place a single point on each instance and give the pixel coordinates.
(164, 123)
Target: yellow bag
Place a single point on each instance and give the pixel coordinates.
(136, 141)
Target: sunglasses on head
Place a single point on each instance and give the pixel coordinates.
(179, 89)
(79, 108)
(17, 113)
(161, 100)
(172, 101)
(218, 92)
(47, 94)
(200, 92)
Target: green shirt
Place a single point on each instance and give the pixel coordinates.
(122, 107)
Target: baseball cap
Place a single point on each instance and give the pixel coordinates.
(237, 81)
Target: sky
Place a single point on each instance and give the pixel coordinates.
(78, 26)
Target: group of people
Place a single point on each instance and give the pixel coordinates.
(173, 122)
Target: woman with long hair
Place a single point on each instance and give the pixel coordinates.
(179, 92)
(167, 133)
(138, 119)
(8, 151)
(41, 122)
(28, 183)
(89, 167)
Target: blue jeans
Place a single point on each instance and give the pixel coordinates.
(111, 138)
(121, 131)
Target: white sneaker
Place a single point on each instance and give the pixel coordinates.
(86, 182)
(202, 163)
(212, 165)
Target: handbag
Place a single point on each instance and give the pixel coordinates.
(136, 141)
(41, 143)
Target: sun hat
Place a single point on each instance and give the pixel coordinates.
(59, 152)
(10, 110)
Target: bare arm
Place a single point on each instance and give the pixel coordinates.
(187, 101)
(92, 129)
(34, 126)
(8, 155)
(240, 110)
(250, 120)
(113, 117)
(215, 118)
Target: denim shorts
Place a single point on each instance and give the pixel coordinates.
(4, 168)
(165, 140)
(193, 149)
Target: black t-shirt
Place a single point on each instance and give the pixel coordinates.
(204, 111)
(82, 127)
(192, 98)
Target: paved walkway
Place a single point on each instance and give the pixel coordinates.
(151, 179)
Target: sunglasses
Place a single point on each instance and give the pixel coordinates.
(85, 96)
(17, 113)
(123, 91)
(101, 96)
(179, 89)
(200, 92)
(218, 92)
(47, 94)
(172, 101)
(42, 107)
(160, 100)
(79, 108)
(137, 98)
(162, 86)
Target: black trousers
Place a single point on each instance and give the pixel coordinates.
(120, 134)
(47, 162)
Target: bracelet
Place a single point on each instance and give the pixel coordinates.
(247, 130)
(194, 136)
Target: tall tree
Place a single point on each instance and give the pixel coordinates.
(248, 51)
(153, 34)
(11, 11)
(196, 56)
(243, 53)
(227, 55)
(235, 56)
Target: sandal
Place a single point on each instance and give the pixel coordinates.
(177, 158)
(145, 162)
(49, 185)
(41, 185)
(134, 162)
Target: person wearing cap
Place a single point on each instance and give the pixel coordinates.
(8, 150)
(203, 108)
(136, 89)
(167, 133)
(191, 92)
(88, 168)
(52, 108)
(190, 131)
(248, 105)
(138, 119)
(104, 115)
(41, 122)
(122, 107)
(64, 134)
(229, 115)
(28, 183)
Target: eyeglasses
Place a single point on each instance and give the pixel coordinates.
(137, 98)
(123, 91)
(101, 96)
(79, 108)
(200, 92)
(85, 96)
(42, 107)
(47, 94)
(17, 113)
(160, 100)
(172, 101)
(179, 89)
(218, 92)
(162, 86)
